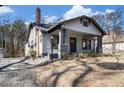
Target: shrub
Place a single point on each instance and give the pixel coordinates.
(64, 56)
(108, 55)
(32, 53)
(93, 54)
(85, 55)
(82, 55)
(76, 55)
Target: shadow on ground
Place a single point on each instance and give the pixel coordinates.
(53, 79)
(8, 65)
(111, 65)
(26, 66)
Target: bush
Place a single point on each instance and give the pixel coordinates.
(94, 54)
(76, 55)
(85, 55)
(108, 55)
(64, 56)
(32, 53)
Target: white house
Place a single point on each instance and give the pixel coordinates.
(80, 34)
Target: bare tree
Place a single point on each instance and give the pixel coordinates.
(8, 38)
(1, 40)
(14, 37)
(112, 22)
(19, 30)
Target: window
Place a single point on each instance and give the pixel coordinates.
(85, 23)
(83, 44)
(29, 44)
(86, 44)
(32, 44)
(41, 37)
(55, 41)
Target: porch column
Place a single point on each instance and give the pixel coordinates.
(64, 42)
(99, 44)
(60, 44)
(62, 47)
(93, 45)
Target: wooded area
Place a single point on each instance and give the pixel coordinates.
(12, 37)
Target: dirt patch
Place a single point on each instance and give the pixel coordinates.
(84, 73)
(66, 73)
(112, 65)
(107, 73)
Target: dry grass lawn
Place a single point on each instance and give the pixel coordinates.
(88, 72)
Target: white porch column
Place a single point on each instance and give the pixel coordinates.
(60, 44)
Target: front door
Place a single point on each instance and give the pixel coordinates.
(72, 44)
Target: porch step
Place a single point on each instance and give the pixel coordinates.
(50, 56)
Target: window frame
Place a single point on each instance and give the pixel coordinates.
(87, 44)
(29, 44)
(85, 23)
(84, 44)
(55, 43)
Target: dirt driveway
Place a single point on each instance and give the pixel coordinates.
(15, 73)
(88, 72)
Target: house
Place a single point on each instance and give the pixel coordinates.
(117, 40)
(80, 34)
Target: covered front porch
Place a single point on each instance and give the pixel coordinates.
(67, 41)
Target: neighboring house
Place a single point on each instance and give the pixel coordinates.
(81, 34)
(108, 43)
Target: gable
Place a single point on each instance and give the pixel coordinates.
(74, 23)
(77, 25)
(42, 28)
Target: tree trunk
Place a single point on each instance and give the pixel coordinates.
(113, 48)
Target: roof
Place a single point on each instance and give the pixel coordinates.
(48, 28)
(41, 27)
(53, 28)
(107, 39)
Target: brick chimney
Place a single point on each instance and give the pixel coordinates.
(38, 16)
